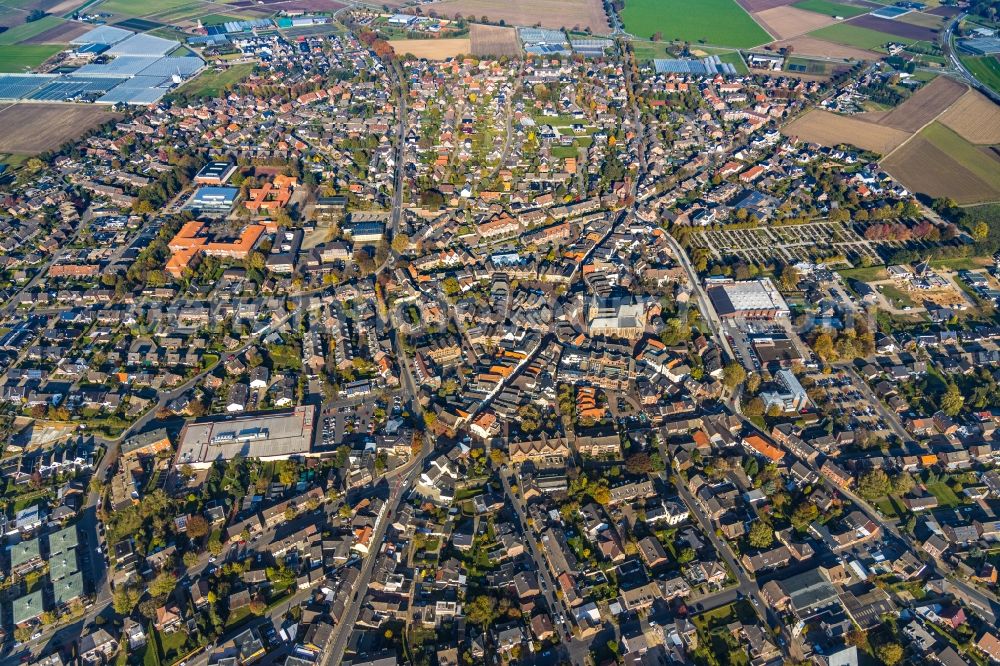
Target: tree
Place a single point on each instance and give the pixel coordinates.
(952, 400)
(400, 242)
(638, 463)
(890, 653)
(190, 559)
(163, 584)
(686, 555)
(753, 383)
(823, 346)
(197, 527)
(761, 534)
(125, 599)
(482, 610)
(980, 231)
(874, 484)
(733, 375)
(902, 483)
(214, 545)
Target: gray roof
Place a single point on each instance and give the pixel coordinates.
(28, 607)
(144, 45)
(24, 551)
(105, 34)
(63, 541)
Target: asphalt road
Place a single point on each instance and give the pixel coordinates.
(576, 650)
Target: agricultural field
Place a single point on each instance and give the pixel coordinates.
(29, 129)
(830, 129)
(60, 34)
(719, 22)
(923, 20)
(554, 14)
(140, 7)
(857, 36)
(896, 28)
(938, 162)
(432, 49)
(23, 57)
(925, 105)
(830, 8)
(20, 33)
(492, 40)
(986, 69)
(810, 46)
(974, 117)
(788, 22)
(211, 83)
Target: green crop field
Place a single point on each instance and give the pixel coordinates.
(21, 58)
(986, 69)
(140, 7)
(830, 8)
(721, 22)
(211, 83)
(19, 33)
(963, 152)
(852, 35)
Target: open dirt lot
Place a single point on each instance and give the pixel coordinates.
(818, 47)
(494, 40)
(29, 129)
(550, 14)
(975, 118)
(911, 166)
(788, 22)
(925, 105)
(829, 129)
(432, 49)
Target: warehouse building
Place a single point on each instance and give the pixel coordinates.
(278, 435)
(753, 299)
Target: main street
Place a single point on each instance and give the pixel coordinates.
(577, 649)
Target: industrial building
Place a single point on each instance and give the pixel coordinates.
(753, 299)
(215, 173)
(277, 435)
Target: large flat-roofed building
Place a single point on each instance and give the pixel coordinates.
(210, 199)
(753, 299)
(277, 435)
(215, 173)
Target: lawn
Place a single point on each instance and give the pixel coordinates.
(862, 38)
(721, 22)
(986, 69)
(25, 31)
(212, 83)
(28, 56)
(945, 495)
(562, 152)
(831, 8)
(649, 50)
(736, 60)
